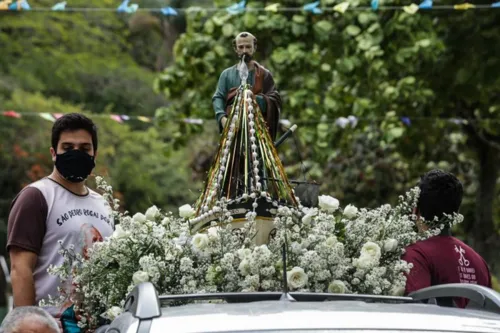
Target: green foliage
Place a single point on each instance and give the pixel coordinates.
(82, 58)
(143, 169)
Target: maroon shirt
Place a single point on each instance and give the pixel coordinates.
(442, 260)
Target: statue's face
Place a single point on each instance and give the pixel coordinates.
(245, 45)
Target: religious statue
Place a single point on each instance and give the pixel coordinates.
(260, 79)
(247, 172)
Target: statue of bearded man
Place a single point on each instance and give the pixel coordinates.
(264, 91)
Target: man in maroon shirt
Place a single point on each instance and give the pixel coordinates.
(442, 259)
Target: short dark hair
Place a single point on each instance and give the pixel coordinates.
(73, 122)
(440, 193)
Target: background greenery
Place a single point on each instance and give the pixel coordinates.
(377, 66)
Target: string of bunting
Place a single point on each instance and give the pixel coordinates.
(241, 7)
(343, 122)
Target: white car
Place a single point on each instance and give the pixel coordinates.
(146, 312)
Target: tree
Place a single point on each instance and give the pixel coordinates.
(83, 58)
(378, 67)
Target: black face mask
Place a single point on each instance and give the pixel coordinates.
(75, 165)
(246, 57)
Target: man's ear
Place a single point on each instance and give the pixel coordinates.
(53, 154)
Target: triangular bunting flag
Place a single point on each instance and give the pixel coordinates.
(47, 116)
(169, 11)
(116, 118)
(464, 6)
(237, 8)
(144, 119)
(426, 4)
(272, 7)
(411, 9)
(313, 7)
(59, 6)
(11, 114)
(341, 7)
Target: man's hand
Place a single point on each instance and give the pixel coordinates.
(223, 122)
(59, 323)
(22, 263)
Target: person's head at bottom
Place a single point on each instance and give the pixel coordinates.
(440, 194)
(29, 319)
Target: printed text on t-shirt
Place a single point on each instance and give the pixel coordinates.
(81, 212)
(466, 274)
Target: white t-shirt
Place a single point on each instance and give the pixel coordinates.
(44, 213)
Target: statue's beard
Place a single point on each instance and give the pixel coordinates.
(246, 57)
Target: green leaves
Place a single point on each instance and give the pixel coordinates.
(353, 30)
(228, 30)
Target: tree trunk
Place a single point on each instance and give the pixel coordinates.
(170, 35)
(484, 237)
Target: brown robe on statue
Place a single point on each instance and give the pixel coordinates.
(264, 86)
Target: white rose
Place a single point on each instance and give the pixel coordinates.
(165, 222)
(113, 312)
(152, 213)
(186, 211)
(296, 278)
(139, 277)
(296, 248)
(119, 232)
(181, 240)
(244, 253)
(139, 217)
(390, 245)
(369, 257)
(371, 250)
(309, 214)
(199, 242)
(398, 291)
(365, 262)
(337, 287)
(350, 211)
(244, 267)
(328, 203)
(331, 241)
(213, 232)
(306, 219)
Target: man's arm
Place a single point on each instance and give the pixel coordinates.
(219, 99)
(22, 267)
(26, 230)
(420, 275)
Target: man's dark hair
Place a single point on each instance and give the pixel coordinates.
(440, 193)
(73, 122)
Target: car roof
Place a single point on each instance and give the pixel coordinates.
(338, 315)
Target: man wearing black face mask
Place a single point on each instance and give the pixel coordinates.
(56, 211)
(263, 88)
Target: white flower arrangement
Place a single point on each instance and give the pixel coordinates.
(328, 250)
